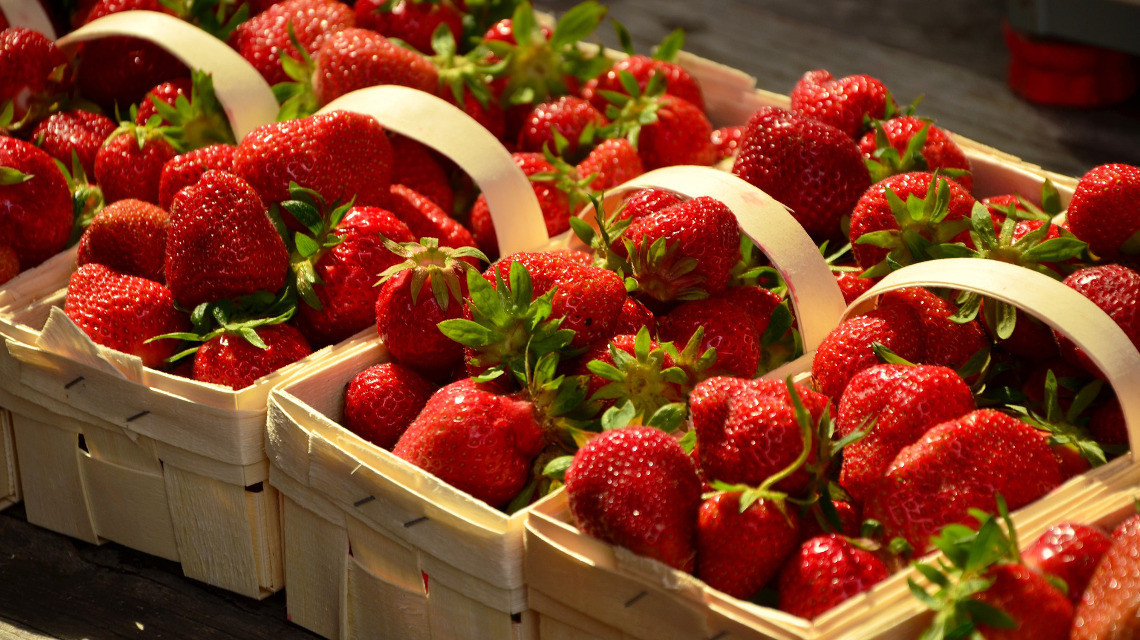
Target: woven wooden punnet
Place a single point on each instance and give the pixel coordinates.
(583, 587)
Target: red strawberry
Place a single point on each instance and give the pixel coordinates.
(813, 168)
(554, 203)
(843, 103)
(741, 550)
(1039, 608)
(645, 201)
(633, 317)
(683, 250)
(440, 441)
(37, 215)
(416, 167)
(895, 405)
(847, 350)
(167, 92)
(824, 572)
(412, 21)
(569, 117)
(425, 219)
(850, 521)
(1107, 424)
(129, 164)
(34, 74)
(1070, 551)
(341, 155)
(612, 162)
(185, 169)
(9, 263)
(232, 361)
(732, 325)
(851, 283)
(959, 465)
(636, 487)
(636, 368)
(381, 401)
(681, 134)
(939, 151)
(1109, 605)
(128, 236)
(122, 312)
(1104, 211)
(80, 131)
(726, 140)
(264, 38)
(948, 343)
(1116, 290)
(356, 58)
(348, 273)
(221, 243)
(678, 81)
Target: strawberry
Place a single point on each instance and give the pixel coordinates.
(420, 170)
(1107, 425)
(381, 401)
(678, 81)
(412, 21)
(128, 236)
(78, 131)
(553, 201)
(637, 488)
(184, 169)
(849, 519)
(425, 219)
(37, 215)
(908, 143)
(825, 571)
(9, 263)
(221, 243)
(1070, 551)
(235, 362)
(347, 273)
(895, 404)
(726, 141)
(407, 315)
(645, 201)
(34, 75)
(123, 312)
(1109, 605)
(730, 326)
(1103, 211)
(356, 58)
(959, 465)
(190, 110)
(129, 164)
(847, 350)
(341, 155)
(851, 282)
(611, 163)
(120, 70)
(813, 168)
(263, 39)
(844, 103)
(573, 119)
(684, 252)
(948, 342)
(741, 547)
(680, 134)
(1115, 289)
(167, 93)
(637, 369)
(633, 317)
(475, 440)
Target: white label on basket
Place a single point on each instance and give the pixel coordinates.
(244, 94)
(437, 123)
(1070, 313)
(28, 14)
(813, 289)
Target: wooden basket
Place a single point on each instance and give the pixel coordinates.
(583, 587)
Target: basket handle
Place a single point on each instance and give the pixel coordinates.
(31, 15)
(444, 127)
(814, 291)
(243, 93)
(1062, 308)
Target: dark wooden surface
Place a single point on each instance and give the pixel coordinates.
(950, 52)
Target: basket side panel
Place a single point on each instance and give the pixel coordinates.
(315, 553)
(376, 608)
(556, 621)
(452, 615)
(54, 497)
(384, 556)
(129, 506)
(9, 472)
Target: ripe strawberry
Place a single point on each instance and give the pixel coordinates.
(634, 368)
(348, 273)
(425, 219)
(233, 361)
(37, 215)
(645, 201)
(420, 170)
(678, 81)
(813, 168)
(633, 317)
(851, 283)
(1116, 290)
(128, 236)
(76, 130)
(726, 140)
(826, 571)
(185, 169)
(959, 465)
(129, 164)
(1107, 424)
(1070, 551)
(847, 350)
(740, 548)
(637, 488)
(681, 134)
(9, 263)
(850, 521)
(167, 92)
(895, 405)
(189, 109)
(122, 312)
(734, 324)
(1109, 605)
(442, 441)
(264, 38)
(1039, 608)
(933, 150)
(412, 21)
(1104, 212)
(341, 155)
(947, 343)
(553, 201)
(684, 250)
(574, 119)
(381, 401)
(221, 243)
(844, 103)
(34, 75)
(613, 162)
(356, 58)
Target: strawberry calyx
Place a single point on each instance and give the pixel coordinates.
(216, 17)
(320, 220)
(443, 266)
(565, 176)
(467, 73)
(630, 111)
(1034, 250)
(297, 97)
(922, 227)
(86, 198)
(199, 121)
(1066, 428)
(641, 383)
(659, 271)
(603, 236)
(238, 317)
(152, 130)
